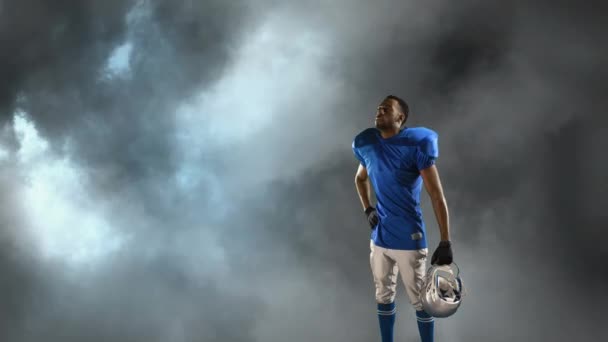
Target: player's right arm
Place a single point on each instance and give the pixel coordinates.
(363, 186)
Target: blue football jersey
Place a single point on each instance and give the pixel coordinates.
(393, 166)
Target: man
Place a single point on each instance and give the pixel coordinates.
(396, 160)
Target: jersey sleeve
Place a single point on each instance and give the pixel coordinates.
(358, 154)
(427, 152)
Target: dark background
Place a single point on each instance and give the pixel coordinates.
(182, 170)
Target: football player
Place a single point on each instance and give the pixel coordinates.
(394, 162)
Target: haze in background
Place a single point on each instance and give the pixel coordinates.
(182, 170)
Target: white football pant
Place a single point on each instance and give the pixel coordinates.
(387, 263)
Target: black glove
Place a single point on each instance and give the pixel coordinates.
(372, 217)
(443, 254)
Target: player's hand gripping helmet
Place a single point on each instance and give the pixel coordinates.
(442, 290)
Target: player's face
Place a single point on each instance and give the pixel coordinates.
(388, 115)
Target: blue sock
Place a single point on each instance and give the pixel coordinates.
(386, 316)
(426, 326)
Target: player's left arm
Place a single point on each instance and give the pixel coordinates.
(432, 184)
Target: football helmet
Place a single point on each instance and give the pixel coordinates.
(442, 290)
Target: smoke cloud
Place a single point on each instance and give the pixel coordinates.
(182, 171)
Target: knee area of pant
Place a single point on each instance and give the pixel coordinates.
(385, 299)
(418, 306)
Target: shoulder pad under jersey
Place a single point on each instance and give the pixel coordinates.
(366, 137)
(427, 140)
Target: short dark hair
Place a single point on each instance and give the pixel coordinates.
(404, 107)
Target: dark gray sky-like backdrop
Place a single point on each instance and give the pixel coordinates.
(182, 170)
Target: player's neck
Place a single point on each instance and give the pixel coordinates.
(388, 133)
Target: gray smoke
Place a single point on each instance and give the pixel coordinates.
(182, 171)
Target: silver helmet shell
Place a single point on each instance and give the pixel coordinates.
(442, 290)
